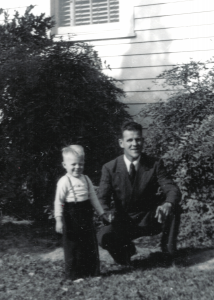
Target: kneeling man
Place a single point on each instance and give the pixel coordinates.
(133, 182)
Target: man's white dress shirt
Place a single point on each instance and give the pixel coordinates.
(128, 163)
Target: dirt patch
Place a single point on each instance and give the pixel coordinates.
(55, 255)
(201, 261)
(22, 237)
(9, 219)
(58, 254)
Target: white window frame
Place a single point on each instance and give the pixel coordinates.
(123, 28)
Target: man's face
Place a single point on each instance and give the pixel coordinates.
(132, 143)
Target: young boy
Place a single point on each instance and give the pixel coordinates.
(75, 196)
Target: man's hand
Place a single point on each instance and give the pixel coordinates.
(163, 211)
(59, 225)
(104, 219)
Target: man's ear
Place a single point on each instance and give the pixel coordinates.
(63, 164)
(121, 143)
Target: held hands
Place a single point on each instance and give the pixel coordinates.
(104, 219)
(59, 225)
(163, 211)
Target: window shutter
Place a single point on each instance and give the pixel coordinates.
(105, 11)
(114, 10)
(100, 11)
(88, 12)
(82, 12)
(65, 12)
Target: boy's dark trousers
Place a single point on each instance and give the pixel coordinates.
(79, 241)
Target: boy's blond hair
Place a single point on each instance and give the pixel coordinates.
(75, 150)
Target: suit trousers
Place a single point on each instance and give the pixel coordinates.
(117, 237)
(79, 241)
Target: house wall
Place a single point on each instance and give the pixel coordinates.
(167, 32)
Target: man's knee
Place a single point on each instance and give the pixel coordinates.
(106, 241)
(103, 235)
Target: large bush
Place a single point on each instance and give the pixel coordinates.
(52, 94)
(182, 132)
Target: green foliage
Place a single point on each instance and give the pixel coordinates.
(182, 133)
(52, 94)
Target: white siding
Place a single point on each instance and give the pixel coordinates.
(167, 32)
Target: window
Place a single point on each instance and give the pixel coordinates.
(93, 19)
(87, 12)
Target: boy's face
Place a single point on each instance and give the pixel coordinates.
(74, 165)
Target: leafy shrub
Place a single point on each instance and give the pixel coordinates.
(52, 94)
(182, 132)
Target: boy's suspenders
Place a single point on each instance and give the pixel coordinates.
(86, 179)
(75, 199)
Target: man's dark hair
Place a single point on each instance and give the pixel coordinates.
(131, 126)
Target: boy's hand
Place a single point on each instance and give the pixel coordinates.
(59, 225)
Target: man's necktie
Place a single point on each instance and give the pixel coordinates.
(132, 173)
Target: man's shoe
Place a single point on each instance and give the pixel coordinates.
(122, 257)
(168, 259)
(128, 251)
(160, 258)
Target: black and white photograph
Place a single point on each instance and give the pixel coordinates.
(107, 149)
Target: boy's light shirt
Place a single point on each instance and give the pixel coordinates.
(80, 191)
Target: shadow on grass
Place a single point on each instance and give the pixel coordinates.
(28, 238)
(41, 238)
(191, 256)
(185, 257)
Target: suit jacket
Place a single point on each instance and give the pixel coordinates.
(142, 195)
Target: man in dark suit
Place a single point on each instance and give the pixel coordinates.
(133, 182)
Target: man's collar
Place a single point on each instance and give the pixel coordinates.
(128, 162)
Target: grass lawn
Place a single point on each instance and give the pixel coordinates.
(24, 275)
